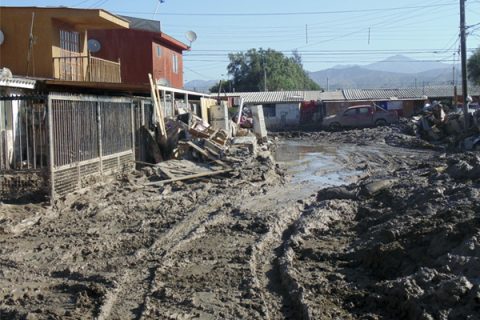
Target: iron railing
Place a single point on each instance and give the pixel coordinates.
(23, 134)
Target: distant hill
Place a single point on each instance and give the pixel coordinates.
(394, 72)
(403, 64)
(200, 85)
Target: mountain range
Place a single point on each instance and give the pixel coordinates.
(394, 72)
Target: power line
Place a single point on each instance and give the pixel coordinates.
(226, 14)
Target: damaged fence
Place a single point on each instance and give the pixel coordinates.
(92, 137)
(59, 143)
(23, 145)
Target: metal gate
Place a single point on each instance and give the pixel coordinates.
(23, 146)
(91, 137)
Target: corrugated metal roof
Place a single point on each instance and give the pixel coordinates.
(277, 96)
(18, 83)
(332, 96)
(408, 93)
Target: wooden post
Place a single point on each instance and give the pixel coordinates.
(156, 100)
(89, 66)
(119, 71)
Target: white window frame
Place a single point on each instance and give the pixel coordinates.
(175, 63)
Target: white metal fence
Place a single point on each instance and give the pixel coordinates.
(91, 137)
(60, 143)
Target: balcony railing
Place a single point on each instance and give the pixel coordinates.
(86, 68)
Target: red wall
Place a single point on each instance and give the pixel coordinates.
(163, 65)
(137, 52)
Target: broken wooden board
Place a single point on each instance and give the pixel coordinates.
(206, 153)
(179, 170)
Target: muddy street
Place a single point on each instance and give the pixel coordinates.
(314, 230)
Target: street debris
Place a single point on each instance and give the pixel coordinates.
(439, 124)
(212, 227)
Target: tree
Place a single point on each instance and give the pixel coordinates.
(473, 67)
(257, 70)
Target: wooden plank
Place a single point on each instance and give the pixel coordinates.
(160, 108)
(206, 154)
(167, 172)
(189, 177)
(156, 98)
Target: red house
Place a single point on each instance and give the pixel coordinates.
(141, 52)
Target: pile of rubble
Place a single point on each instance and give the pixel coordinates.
(440, 124)
(187, 147)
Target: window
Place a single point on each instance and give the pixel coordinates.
(175, 63)
(269, 110)
(69, 41)
(350, 112)
(70, 63)
(159, 51)
(363, 110)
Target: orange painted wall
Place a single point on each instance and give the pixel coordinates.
(15, 25)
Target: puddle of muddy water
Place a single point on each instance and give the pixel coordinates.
(316, 165)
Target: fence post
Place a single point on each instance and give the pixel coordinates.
(132, 112)
(99, 128)
(51, 159)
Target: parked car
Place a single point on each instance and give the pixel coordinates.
(360, 116)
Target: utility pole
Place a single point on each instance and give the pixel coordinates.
(463, 45)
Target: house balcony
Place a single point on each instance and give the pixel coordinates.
(86, 69)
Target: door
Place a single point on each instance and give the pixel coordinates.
(349, 118)
(364, 117)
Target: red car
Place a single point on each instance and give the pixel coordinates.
(360, 117)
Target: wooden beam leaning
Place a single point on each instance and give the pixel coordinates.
(156, 98)
(160, 108)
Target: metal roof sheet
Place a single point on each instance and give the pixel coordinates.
(407, 93)
(277, 96)
(332, 96)
(18, 83)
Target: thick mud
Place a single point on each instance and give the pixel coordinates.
(346, 225)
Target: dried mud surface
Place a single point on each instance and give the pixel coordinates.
(401, 242)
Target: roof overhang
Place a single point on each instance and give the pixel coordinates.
(166, 39)
(91, 19)
(79, 18)
(98, 86)
(182, 91)
(22, 83)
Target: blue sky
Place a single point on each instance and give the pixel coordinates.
(326, 33)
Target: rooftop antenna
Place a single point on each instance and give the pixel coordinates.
(191, 37)
(158, 5)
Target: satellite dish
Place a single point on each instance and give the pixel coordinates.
(94, 45)
(2, 37)
(191, 36)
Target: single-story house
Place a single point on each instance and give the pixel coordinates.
(283, 108)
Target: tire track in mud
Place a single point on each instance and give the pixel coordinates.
(263, 265)
(135, 285)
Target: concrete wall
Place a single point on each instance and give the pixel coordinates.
(286, 114)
